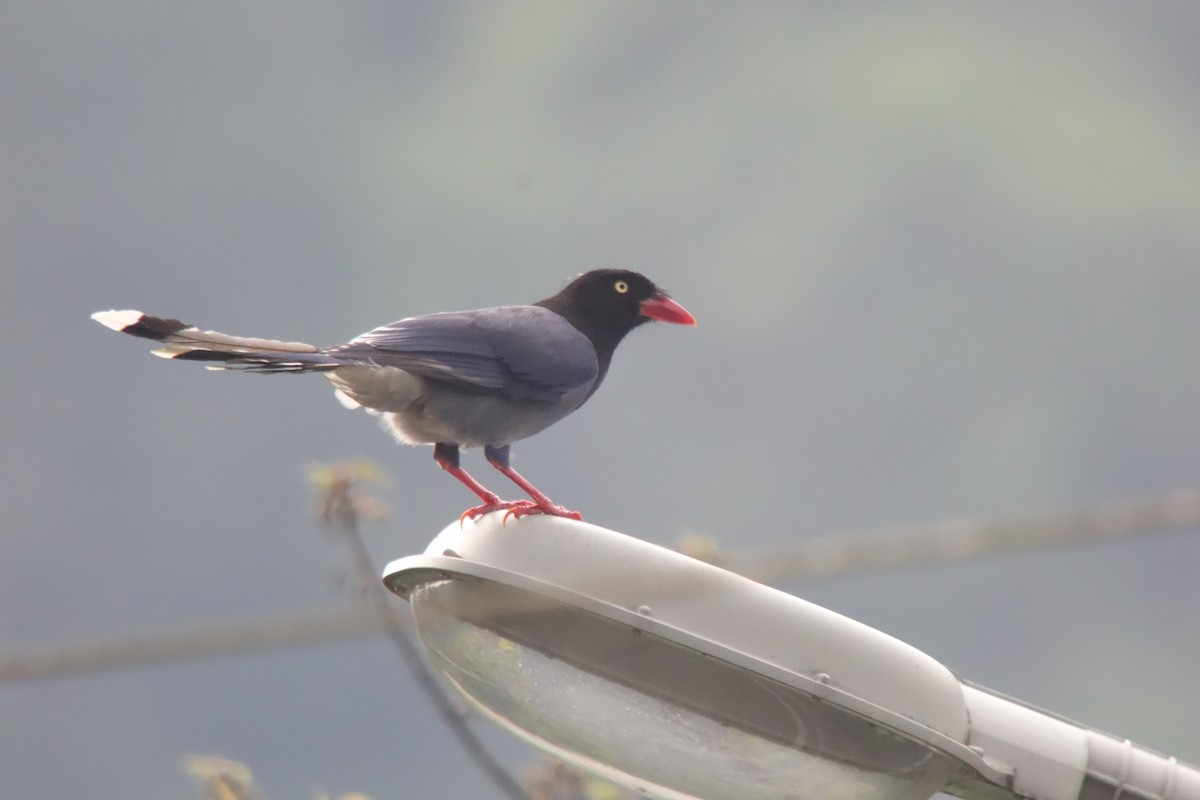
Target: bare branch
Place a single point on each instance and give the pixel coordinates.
(957, 540)
(824, 557)
(341, 511)
(197, 641)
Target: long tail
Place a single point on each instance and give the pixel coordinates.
(189, 343)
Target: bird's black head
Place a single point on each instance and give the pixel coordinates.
(606, 304)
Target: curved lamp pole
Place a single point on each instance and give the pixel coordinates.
(680, 680)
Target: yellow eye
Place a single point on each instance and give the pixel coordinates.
(621, 286)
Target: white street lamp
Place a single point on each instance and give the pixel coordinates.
(682, 680)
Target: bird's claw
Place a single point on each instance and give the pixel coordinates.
(534, 508)
(509, 506)
(517, 509)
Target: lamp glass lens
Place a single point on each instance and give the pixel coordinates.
(663, 719)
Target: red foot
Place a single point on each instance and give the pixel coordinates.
(511, 506)
(517, 509)
(533, 508)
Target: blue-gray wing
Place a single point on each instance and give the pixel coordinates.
(522, 352)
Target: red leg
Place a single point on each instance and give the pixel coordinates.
(446, 456)
(498, 458)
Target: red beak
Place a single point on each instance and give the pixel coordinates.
(664, 309)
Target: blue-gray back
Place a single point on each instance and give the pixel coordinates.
(521, 352)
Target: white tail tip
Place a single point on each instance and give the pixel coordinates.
(118, 320)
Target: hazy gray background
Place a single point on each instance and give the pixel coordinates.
(945, 258)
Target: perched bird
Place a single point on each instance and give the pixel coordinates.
(456, 379)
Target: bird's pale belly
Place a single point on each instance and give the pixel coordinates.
(474, 423)
(420, 411)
